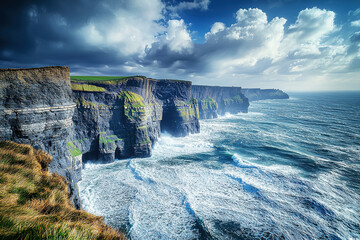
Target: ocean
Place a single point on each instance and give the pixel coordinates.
(288, 169)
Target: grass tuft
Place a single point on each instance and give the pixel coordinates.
(34, 204)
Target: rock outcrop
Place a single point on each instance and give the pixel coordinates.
(255, 94)
(124, 118)
(214, 100)
(36, 108)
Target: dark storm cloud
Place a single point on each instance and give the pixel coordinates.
(46, 32)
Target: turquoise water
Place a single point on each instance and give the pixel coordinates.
(289, 169)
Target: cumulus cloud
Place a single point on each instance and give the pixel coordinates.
(308, 47)
(254, 45)
(177, 36)
(312, 24)
(216, 27)
(244, 43)
(304, 38)
(125, 31)
(172, 48)
(251, 16)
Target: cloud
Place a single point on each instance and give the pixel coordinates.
(103, 32)
(354, 47)
(355, 23)
(354, 12)
(240, 46)
(177, 36)
(122, 37)
(227, 50)
(251, 16)
(254, 45)
(216, 27)
(312, 24)
(125, 31)
(306, 46)
(172, 48)
(196, 4)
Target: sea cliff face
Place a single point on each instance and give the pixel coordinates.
(214, 100)
(255, 94)
(105, 120)
(121, 119)
(36, 108)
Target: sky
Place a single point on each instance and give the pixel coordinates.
(294, 45)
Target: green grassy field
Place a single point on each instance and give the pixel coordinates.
(100, 79)
(87, 88)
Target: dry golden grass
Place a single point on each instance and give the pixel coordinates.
(34, 204)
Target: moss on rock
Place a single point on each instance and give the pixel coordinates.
(81, 102)
(134, 106)
(74, 151)
(208, 104)
(188, 110)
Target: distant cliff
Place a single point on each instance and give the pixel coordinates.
(255, 94)
(214, 100)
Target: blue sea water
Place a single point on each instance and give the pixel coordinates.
(289, 169)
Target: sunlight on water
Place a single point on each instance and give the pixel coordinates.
(272, 173)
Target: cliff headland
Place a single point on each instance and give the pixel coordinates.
(255, 94)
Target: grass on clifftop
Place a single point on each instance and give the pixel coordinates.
(100, 79)
(87, 88)
(34, 204)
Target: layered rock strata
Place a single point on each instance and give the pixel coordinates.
(36, 108)
(214, 100)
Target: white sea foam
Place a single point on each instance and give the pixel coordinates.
(170, 147)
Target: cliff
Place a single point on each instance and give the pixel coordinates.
(214, 100)
(97, 120)
(106, 118)
(121, 118)
(255, 94)
(36, 108)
